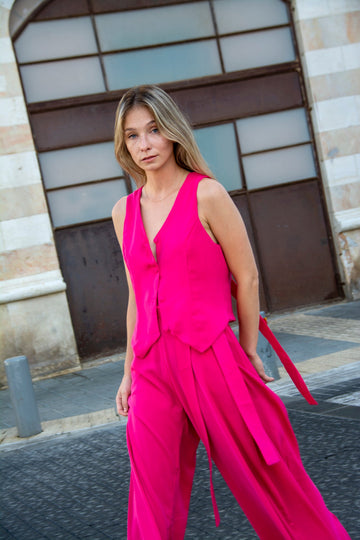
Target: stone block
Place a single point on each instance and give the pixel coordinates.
(337, 113)
(40, 329)
(16, 139)
(333, 85)
(351, 55)
(340, 142)
(4, 21)
(308, 9)
(19, 169)
(22, 202)
(7, 55)
(28, 261)
(346, 196)
(26, 232)
(13, 111)
(10, 82)
(350, 245)
(332, 31)
(323, 61)
(341, 169)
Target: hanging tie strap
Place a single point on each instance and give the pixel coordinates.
(286, 361)
(282, 354)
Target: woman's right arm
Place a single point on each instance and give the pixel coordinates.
(118, 217)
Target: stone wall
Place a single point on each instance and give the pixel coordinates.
(34, 314)
(328, 33)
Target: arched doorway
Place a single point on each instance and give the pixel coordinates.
(233, 66)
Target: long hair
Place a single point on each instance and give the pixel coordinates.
(171, 123)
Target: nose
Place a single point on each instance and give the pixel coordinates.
(144, 142)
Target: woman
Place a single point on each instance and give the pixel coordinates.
(186, 377)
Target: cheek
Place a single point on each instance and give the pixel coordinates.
(167, 146)
(131, 150)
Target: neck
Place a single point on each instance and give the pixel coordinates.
(160, 183)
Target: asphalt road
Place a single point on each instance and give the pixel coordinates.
(76, 486)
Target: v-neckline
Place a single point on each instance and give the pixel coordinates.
(166, 219)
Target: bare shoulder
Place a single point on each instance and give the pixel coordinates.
(118, 216)
(210, 191)
(119, 210)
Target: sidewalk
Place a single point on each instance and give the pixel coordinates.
(324, 343)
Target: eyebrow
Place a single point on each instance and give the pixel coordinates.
(134, 129)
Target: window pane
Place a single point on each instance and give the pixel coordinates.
(142, 27)
(218, 146)
(279, 166)
(81, 164)
(65, 78)
(85, 203)
(239, 15)
(272, 130)
(56, 39)
(257, 49)
(162, 64)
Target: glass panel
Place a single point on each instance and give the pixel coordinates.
(257, 49)
(56, 80)
(56, 39)
(218, 146)
(85, 203)
(18, 16)
(80, 164)
(153, 26)
(162, 64)
(239, 15)
(272, 130)
(279, 166)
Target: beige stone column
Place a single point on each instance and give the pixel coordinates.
(34, 313)
(328, 33)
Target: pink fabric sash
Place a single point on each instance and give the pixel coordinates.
(282, 354)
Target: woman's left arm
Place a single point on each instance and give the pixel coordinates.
(221, 219)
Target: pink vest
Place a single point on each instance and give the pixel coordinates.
(188, 287)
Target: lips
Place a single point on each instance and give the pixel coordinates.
(148, 158)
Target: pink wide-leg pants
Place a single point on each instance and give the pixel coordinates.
(180, 395)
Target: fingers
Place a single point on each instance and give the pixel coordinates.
(122, 403)
(266, 378)
(259, 366)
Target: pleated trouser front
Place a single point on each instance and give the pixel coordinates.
(179, 396)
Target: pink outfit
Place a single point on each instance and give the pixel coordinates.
(191, 380)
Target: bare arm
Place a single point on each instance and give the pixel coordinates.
(118, 216)
(220, 217)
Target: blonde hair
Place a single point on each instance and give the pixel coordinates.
(170, 121)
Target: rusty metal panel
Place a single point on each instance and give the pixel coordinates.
(93, 270)
(298, 268)
(73, 126)
(65, 8)
(85, 124)
(243, 207)
(103, 6)
(238, 99)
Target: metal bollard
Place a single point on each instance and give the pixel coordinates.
(22, 396)
(267, 355)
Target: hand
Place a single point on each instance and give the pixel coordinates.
(122, 396)
(258, 365)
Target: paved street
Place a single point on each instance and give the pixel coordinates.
(71, 481)
(76, 486)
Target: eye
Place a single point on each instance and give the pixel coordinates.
(132, 136)
(155, 130)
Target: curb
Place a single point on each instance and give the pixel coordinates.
(9, 439)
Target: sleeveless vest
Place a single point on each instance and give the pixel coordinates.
(188, 286)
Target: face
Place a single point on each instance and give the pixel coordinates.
(148, 148)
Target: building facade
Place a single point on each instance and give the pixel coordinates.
(272, 90)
